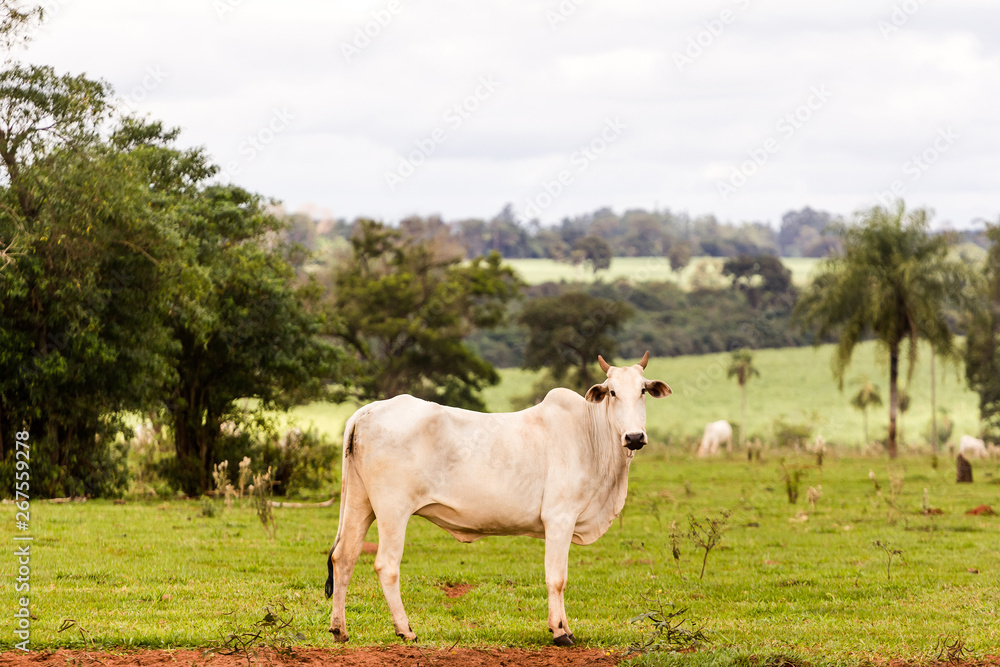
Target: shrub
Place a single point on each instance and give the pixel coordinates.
(790, 434)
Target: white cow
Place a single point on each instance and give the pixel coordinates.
(716, 433)
(971, 448)
(557, 471)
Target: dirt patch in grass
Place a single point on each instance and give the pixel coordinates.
(984, 510)
(455, 590)
(407, 656)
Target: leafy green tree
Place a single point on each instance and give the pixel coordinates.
(595, 250)
(868, 397)
(762, 278)
(741, 367)
(894, 281)
(568, 332)
(982, 347)
(403, 308)
(243, 326)
(679, 256)
(81, 292)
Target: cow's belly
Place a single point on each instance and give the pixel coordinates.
(469, 525)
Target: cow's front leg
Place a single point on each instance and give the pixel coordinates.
(558, 535)
(391, 537)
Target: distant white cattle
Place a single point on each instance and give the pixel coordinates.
(557, 471)
(716, 433)
(971, 448)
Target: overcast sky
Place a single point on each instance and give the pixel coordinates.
(741, 108)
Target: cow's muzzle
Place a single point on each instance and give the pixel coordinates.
(635, 441)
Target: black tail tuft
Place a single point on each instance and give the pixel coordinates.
(329, 575)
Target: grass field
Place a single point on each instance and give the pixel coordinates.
(794, 384)
(640, 269)
(790, 580)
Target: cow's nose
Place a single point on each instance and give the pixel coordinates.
(635, 440)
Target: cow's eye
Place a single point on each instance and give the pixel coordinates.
(643, 391)
(612, 393)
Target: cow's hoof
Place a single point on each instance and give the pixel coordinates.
(563, 640)
(407, 638)
(338, 635)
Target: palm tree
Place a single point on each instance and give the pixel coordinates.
(867, 397)
(894, 281)
(741, 366)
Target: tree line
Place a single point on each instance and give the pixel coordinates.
(598, 236)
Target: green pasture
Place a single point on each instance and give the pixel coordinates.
(801, 581)
(795, 385)
(641, 269)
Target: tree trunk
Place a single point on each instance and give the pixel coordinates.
(934, 431)
(743, 416)
(864, 420)
(893, 399)
(963, 472)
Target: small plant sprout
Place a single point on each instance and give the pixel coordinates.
(792, 478)
(890, 553)
(667, 632)
(220, 475)
(275, 632)
(952, 651)
(874, 479)
(707, 535)
(819, 449)
(814, 494)
(245, 475)
(261, 492)
(675, 546)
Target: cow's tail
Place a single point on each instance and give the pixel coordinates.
(348, 453)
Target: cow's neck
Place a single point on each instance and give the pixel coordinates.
(611, 459)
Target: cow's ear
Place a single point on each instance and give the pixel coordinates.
(658, 389)
(596, 393)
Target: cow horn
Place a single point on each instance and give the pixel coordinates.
(645, 360)
(604, 365)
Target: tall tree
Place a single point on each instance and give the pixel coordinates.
(982, 349)
(568, 332)
(679, 256)
(81, 292)
(894, 281)
(762, 278)
(868, 397)
(595, 250)
(741, 367)
(404, 307)
(244, 328)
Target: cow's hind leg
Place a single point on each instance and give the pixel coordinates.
(557, 541)
(354, 523)
(391, 537)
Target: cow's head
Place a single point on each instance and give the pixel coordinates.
(625, 392)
